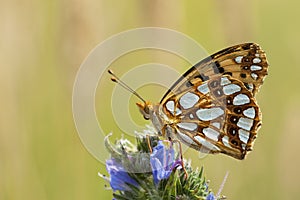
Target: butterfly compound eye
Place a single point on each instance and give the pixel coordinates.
(144, 109)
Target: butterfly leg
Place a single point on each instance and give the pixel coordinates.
(149, 143)
(181, 155)
(166, 134)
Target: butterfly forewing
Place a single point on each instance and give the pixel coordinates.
(245, 62)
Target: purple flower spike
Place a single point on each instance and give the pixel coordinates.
(162, 162)
(119, 178)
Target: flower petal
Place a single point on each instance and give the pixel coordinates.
(210, 196)
(119, 178)
(162, 162)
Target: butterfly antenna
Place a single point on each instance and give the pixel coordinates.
(116, 79)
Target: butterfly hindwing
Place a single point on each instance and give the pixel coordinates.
(216, 116)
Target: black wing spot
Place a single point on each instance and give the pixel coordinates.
(246, 59)
(189, 84)
(221, 70)
(217, 64)
(234, 119)
(234, 142)
(217, 68)
(228, 73)
(237, 110)
(228, 100)
(243, 75)
(247, 86)
(218, 93)
(232, 131)
(203, 77)
(214, 84)
(246, 46)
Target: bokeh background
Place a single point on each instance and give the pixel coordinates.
(43, 44)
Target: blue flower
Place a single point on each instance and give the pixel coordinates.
(210, 196)
(162, 162)
(119, 178)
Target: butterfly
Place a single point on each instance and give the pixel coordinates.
(212, 107)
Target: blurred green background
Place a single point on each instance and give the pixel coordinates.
(43, 44)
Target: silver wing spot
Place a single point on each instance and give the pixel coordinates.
(188, 100)
(216, 124)
(207, 114)
(206, 144)
(231, 89)
(255, 68)
(240, 99)
(211, 133)
(244, 135)
(254, 76)
(250, 112)
(238, 59)
(245, 123)
(225, 141)
(225, 81)
(256, 60)
(186, 138)
(188, 126)
(170, 106)
(203, 88)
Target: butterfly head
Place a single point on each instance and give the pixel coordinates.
(146, 109)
